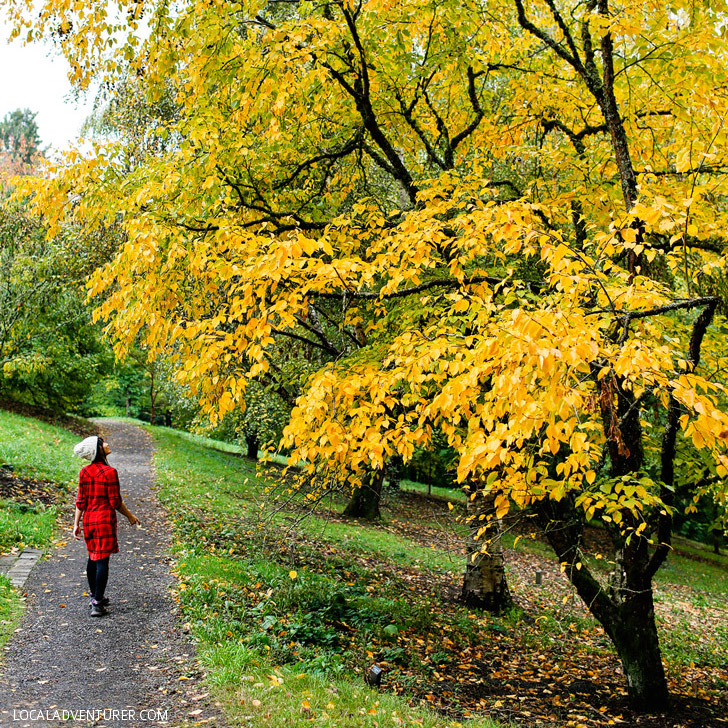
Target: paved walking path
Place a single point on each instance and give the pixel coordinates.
(132, 660)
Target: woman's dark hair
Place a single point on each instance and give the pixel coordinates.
(100, 454)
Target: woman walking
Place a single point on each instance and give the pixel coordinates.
(98, 500)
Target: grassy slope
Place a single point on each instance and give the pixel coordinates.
(258, 611)
(268, 610)
(33, 450)
(260, 629)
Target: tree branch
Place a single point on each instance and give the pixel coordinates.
(310, 342)
(414, 124)
(348, 147)
(627, 316)
(440, 282)
(669, 438)
(475, 103)
(573, 60)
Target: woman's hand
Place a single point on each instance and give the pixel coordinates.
(77, 530)
(133, 520)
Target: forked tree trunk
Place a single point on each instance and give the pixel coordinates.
(625, 610)
(484, 584)
(365, 500)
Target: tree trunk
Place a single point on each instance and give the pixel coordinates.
(152, 397)
(625, 610)
(484, 583)
(128, 403)
(252, 443)
(635, 636)
(365, 500)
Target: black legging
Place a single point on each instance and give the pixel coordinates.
(97, 573)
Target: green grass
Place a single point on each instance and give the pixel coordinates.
(199, 474)
(37, 450)
(281, 697)
(709, 579)
(700, 551)
(454, 495)
(25, 525)
(360, 538)
(34, 450)
(10, 609)
(200, 440)
(284, 629)
(691, 597)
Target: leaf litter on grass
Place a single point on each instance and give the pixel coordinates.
(545, 663)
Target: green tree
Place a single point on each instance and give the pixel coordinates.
(19, 137)
(51, 352)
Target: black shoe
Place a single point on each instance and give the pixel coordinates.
(104, 602)
(97, 610)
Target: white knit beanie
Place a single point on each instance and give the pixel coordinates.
(87, 448)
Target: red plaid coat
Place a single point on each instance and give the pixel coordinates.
(98, 498)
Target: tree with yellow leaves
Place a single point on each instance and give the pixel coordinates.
(503, 219)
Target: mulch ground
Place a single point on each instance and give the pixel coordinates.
(29, 490)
